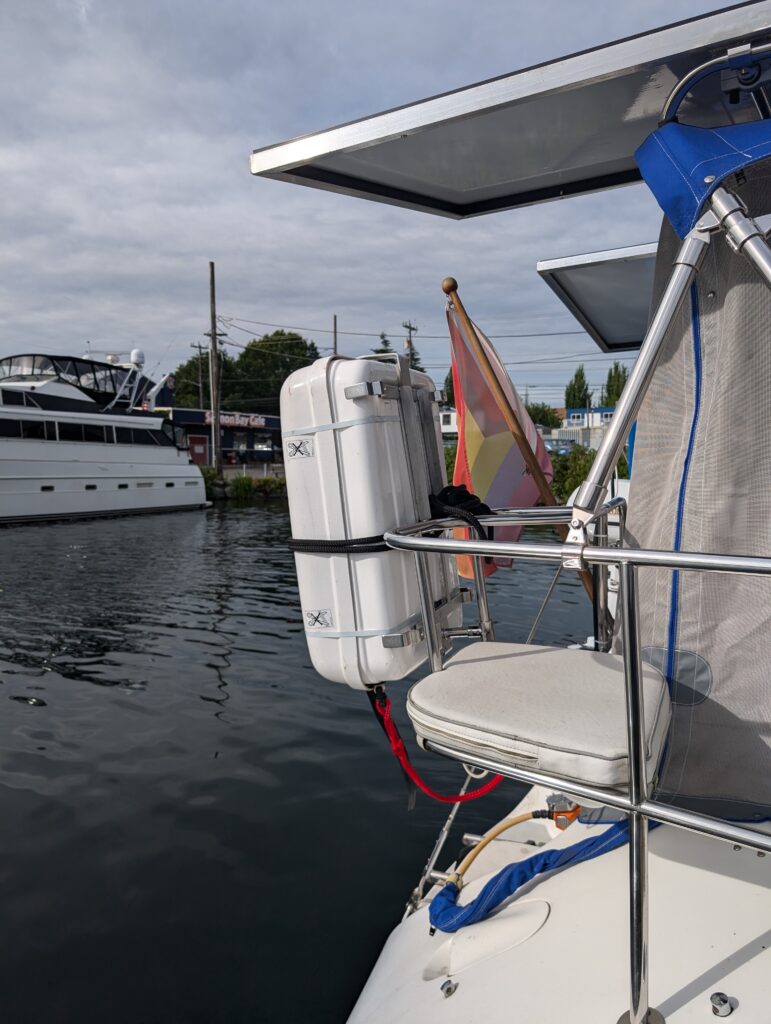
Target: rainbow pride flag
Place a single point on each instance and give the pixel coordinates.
(489, 461)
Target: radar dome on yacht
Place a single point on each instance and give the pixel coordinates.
(137, 357)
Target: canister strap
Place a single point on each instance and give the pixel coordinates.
(355, 546)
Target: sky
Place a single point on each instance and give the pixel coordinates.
(127, 130)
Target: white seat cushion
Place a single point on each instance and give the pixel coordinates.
(549, 708)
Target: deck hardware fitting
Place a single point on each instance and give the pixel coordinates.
(448, 988)
(721, 1004)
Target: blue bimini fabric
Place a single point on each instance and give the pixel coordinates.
(683, 165)
(447, 916)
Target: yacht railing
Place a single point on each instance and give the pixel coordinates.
(636, 802)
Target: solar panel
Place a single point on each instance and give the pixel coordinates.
(609, 293)
(562, 128)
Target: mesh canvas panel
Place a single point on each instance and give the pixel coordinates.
(702, 482)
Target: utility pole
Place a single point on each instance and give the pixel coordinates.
(334, 334)
(197, 344)
(411, 329)
(214, 376)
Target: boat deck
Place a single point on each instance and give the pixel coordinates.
(560, 950)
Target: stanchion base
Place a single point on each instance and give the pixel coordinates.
(653, 1017)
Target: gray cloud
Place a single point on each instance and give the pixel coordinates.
(124, 157)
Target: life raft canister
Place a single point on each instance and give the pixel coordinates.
(362, 451)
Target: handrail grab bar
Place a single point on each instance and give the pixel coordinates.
(410, 539)
(667, 814)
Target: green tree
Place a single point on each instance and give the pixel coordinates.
(577, 393)
(543, 414)
(188, 376)
(192, 380)
(385, 345)
(571, 470)
(252, 382)
(262, 367)
(614, 385)
(449, 389)
(415, 363)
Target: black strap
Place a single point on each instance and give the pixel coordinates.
(452, 501)
(459, 503)
(355, 546)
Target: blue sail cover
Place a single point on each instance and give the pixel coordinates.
(683, 165)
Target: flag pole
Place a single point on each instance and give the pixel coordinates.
(450, 288)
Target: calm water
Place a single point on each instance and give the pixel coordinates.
(195, 827)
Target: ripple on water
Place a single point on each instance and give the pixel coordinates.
(180, 782)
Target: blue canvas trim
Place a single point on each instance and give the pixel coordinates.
(445, 915)
(680, 514)
(677, 160)
(630, 447)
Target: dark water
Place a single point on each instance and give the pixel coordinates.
(194, 826)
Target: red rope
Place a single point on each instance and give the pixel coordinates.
(383, 709)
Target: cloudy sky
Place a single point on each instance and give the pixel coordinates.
(127, 129)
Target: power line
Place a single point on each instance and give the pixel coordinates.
(230, 321)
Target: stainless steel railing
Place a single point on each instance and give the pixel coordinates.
(636, 802)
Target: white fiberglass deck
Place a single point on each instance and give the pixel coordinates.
(560, 951)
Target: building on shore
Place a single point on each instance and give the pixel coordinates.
(246, 437)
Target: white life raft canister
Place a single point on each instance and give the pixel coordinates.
(359, 463)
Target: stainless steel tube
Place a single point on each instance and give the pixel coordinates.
(600, 610)
(638, 918)
(690, 257)
(430, 625)
(544, 603)
(758, 253)
(635, 722)
(638, 791)
(742, 564)
(483, 606)
(441, 839)
(684, 86)
(691, 821)
(743, 233)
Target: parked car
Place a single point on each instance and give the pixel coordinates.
(559, 447)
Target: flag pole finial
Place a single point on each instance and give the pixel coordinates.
(449, 285)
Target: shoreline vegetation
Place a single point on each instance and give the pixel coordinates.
(570, 470)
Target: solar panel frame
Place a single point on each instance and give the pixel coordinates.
(433, 155)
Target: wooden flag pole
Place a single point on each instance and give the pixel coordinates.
(450, 288)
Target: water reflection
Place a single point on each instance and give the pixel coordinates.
(174, 776)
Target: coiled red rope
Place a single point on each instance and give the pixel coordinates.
(382, 705)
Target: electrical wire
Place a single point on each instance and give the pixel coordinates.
(231, 320)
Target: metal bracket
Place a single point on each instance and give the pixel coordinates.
(406, 638)
(374, 388)
(415, 635)
(573, 551)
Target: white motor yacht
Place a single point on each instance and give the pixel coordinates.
(78, 439)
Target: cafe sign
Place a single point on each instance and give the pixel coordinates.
(236, 419)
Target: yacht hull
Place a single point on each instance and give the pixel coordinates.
(93, 480)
